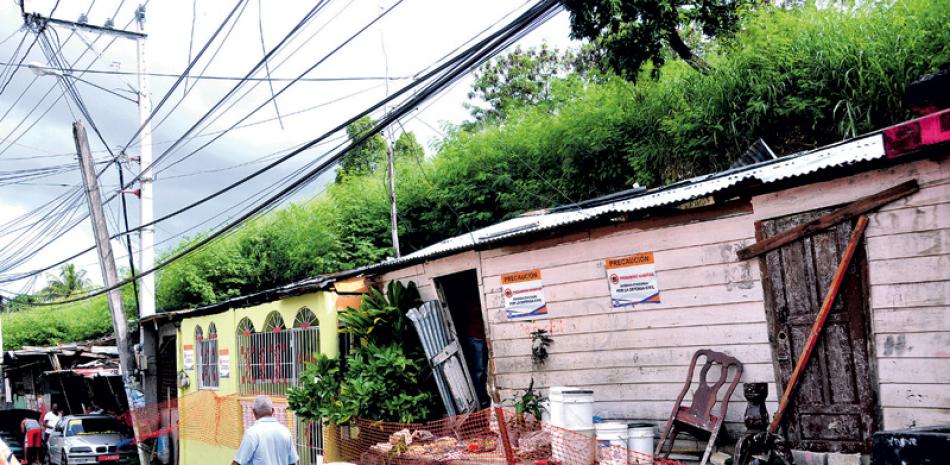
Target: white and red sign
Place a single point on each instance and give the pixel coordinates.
(524, 295)
(632, 280)
(188, 356)
(224, 363)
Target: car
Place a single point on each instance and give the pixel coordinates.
(10, 432)
(85, 439)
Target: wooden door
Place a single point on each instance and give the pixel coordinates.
(834, 406)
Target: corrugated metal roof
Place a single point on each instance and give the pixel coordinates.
(854, 151)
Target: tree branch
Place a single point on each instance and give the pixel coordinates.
(695, 61)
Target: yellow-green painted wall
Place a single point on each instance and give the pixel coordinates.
(322, 304)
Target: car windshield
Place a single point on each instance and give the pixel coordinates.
(94, 426)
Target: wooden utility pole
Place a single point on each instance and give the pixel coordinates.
(107, 264)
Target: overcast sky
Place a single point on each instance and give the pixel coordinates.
(415, 34)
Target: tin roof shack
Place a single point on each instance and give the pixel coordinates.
(220, 356)
(629, 288)
(75, 376)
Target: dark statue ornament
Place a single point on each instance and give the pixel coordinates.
(757, 446)
(756, 416)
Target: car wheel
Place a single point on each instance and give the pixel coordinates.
(64, 460)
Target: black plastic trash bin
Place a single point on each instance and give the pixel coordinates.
(924, 445)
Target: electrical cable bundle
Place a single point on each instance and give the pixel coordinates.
(435, 81)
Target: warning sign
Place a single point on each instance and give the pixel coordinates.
(632, 280)
(188, 356)
(224, 363)
(524, 294)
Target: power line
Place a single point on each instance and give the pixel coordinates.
(463, 64)
(452, 69)
(281, 91)
(338, 128)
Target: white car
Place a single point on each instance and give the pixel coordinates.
(85, 439)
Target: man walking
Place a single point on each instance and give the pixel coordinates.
(267, 442)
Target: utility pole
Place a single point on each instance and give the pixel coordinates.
(107, 264)
(146, 212)
(391, 164)
(393, 213)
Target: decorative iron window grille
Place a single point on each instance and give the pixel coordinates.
(271, 360)
(309, 440)
(207, 357)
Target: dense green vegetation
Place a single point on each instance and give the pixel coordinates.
(385, 377)
(798, 78)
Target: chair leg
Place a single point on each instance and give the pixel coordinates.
(663, 436)
(712, 443)
(675, 434)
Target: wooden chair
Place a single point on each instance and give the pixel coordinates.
(697, 417)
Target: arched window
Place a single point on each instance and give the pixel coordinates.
(272, 358)
(306, 337)
(207, 357)
(274, 323)
(305, 319)
(246, 357)
(245, 327)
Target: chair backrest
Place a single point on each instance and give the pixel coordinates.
(706, 395)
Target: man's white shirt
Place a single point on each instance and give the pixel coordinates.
(267, 442)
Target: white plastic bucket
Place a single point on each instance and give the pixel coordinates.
(556, 399)
(640, 442)
(612, 441)
(577, 447)
(578, 409)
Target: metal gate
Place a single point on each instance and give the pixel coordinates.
(437, 332)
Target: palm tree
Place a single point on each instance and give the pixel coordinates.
(70, 281)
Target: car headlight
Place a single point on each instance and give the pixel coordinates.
(80, 450)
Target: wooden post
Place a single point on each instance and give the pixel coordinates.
(503, 432)
(109, 275)
(816, 328)
(853, 209)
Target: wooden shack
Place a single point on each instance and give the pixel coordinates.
(883, 361)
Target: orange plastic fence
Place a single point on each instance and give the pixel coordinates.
(478, 438)
(475, 438)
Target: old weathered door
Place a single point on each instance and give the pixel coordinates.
(834, 406)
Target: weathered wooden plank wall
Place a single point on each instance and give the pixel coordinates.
(635, 360)
(908, 249)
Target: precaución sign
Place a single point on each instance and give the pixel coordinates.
(524, 294)
(632, 280)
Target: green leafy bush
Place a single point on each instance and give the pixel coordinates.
(386, 377)
(55, 324)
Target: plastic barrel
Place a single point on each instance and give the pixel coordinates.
(640, 442)
(575, 447)
(556, 400)
(578, 409)
(612, 441)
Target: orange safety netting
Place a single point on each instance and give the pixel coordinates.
(153, 420)
(477, 438)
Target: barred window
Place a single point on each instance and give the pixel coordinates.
(207, 357)
(309, 441)
(271, 360)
